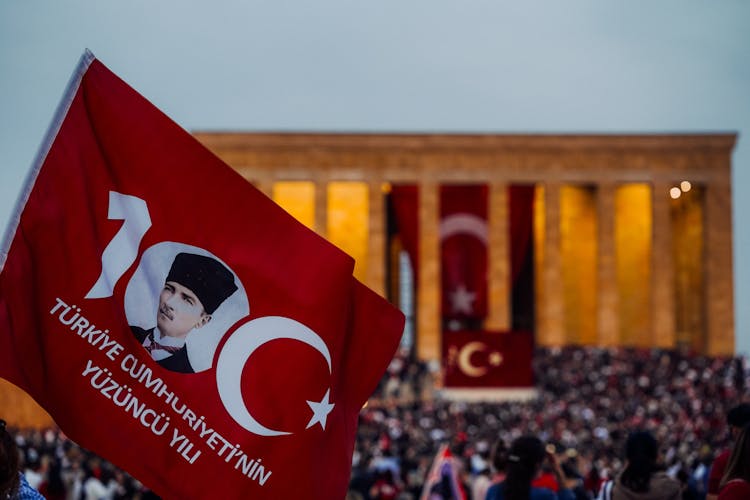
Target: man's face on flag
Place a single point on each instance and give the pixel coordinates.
(180, 311)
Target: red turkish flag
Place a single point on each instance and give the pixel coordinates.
(463, 238)
(173, 319)
(443, 479)
(488, 359)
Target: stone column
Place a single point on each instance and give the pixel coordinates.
(608, 327)
(428, 286)
(662, 271)
(376, 238)
(552, 309)
(498, 258)
(718, 267)
(321, 208)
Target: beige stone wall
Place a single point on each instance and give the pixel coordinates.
(551, 162)
(634, 295)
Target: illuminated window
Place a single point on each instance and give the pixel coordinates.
(578, 252)
(297, 198)
(633, 248)
(348, 215)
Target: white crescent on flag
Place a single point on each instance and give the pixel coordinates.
(463, 223)
(237, 351)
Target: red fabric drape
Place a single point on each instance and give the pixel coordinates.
(471, 200)
(463, 247)
(488, 359)
(405, 200)
(521, 200)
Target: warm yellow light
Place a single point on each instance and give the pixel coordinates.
(634, 243)
(386, 187)
(675, 193)
(685, 186)
(297, 198)
(348, 221)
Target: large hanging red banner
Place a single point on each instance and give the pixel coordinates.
(463, 252)
(173, 319)
(488, 359)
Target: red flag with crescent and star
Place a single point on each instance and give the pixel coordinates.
(488, 359)
(173, 319)
(463, 250)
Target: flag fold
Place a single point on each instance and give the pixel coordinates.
(173, 319)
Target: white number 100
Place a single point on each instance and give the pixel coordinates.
(122, 251)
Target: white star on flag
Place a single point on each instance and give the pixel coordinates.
(462, 299)
(320, 411)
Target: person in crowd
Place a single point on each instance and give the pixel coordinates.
(573, 478)
(481, 467)
(9, 478)
(589, 399)
(13, 484)
(99, 481)
(737, 418)
(524, 463)
(481, 483)
(36, 468)
(547, 478)
(499, 461)
(735, 485)
(642, 478)
(385, 487)
(52, 486)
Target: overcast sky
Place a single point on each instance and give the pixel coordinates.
(393, 66)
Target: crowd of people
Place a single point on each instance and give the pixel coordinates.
(59, 469)
(589, 402)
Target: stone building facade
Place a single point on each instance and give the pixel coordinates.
(632, 233)
(621, 257)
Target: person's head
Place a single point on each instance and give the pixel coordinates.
(8, 462)
(195, 287)
(641, 451)
(524, 461)
(738, 466)
(54, 478)
(500, 456)
(737, 418)
(386, 475)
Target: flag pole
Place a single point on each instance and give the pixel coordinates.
(62, 109)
